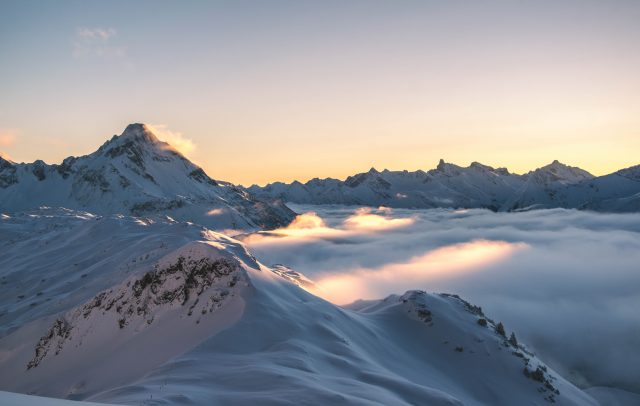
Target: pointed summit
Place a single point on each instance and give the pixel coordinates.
(139, 132)
(479, 166)
(557, 171)
(135, 135)
(447, 168)
(135, 142)
(555, 164)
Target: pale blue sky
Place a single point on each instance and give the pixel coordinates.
(295, 89)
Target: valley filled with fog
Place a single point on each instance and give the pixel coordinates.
(564, 280)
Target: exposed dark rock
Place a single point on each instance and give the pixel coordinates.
(8, 175)
(200, 176)
(137, 301)
(39, 170)
(60, 329)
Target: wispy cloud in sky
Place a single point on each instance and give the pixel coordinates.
(96, 33)
(98, 43)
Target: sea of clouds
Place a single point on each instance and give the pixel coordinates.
(566, 281)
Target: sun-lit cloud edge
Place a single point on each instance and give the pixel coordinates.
(448, 261)
(310, 226)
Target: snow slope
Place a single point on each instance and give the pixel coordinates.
(171, 313)
(476, 186)
(135, 173)
(18, 399)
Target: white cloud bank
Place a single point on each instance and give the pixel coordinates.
(567, 282)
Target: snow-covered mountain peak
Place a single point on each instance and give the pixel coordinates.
(136, 141)
(557, 171)
(371, 177)
(136, 173)
(136, 132)
(446, 168)
(481, 167)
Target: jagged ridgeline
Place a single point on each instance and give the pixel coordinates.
(476, 186)
(135, 173)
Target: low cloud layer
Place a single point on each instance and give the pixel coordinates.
(565, 281)
(437, 264)
(309, 227)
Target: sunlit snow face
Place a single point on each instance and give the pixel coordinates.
(550, 275)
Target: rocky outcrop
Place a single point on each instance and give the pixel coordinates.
(195, 287)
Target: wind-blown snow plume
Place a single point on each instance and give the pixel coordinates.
(178, 141)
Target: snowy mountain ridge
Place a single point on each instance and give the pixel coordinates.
(135, 173)
(476, 186)
(193, 318)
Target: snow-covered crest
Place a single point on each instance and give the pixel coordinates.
(136, 173)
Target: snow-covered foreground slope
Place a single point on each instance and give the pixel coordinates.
(164, 312)
(19, 399)
(135, 173)
(477, 186)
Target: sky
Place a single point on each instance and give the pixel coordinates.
(259, 91)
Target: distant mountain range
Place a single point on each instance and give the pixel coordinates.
(476, 186)
(136, 174)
